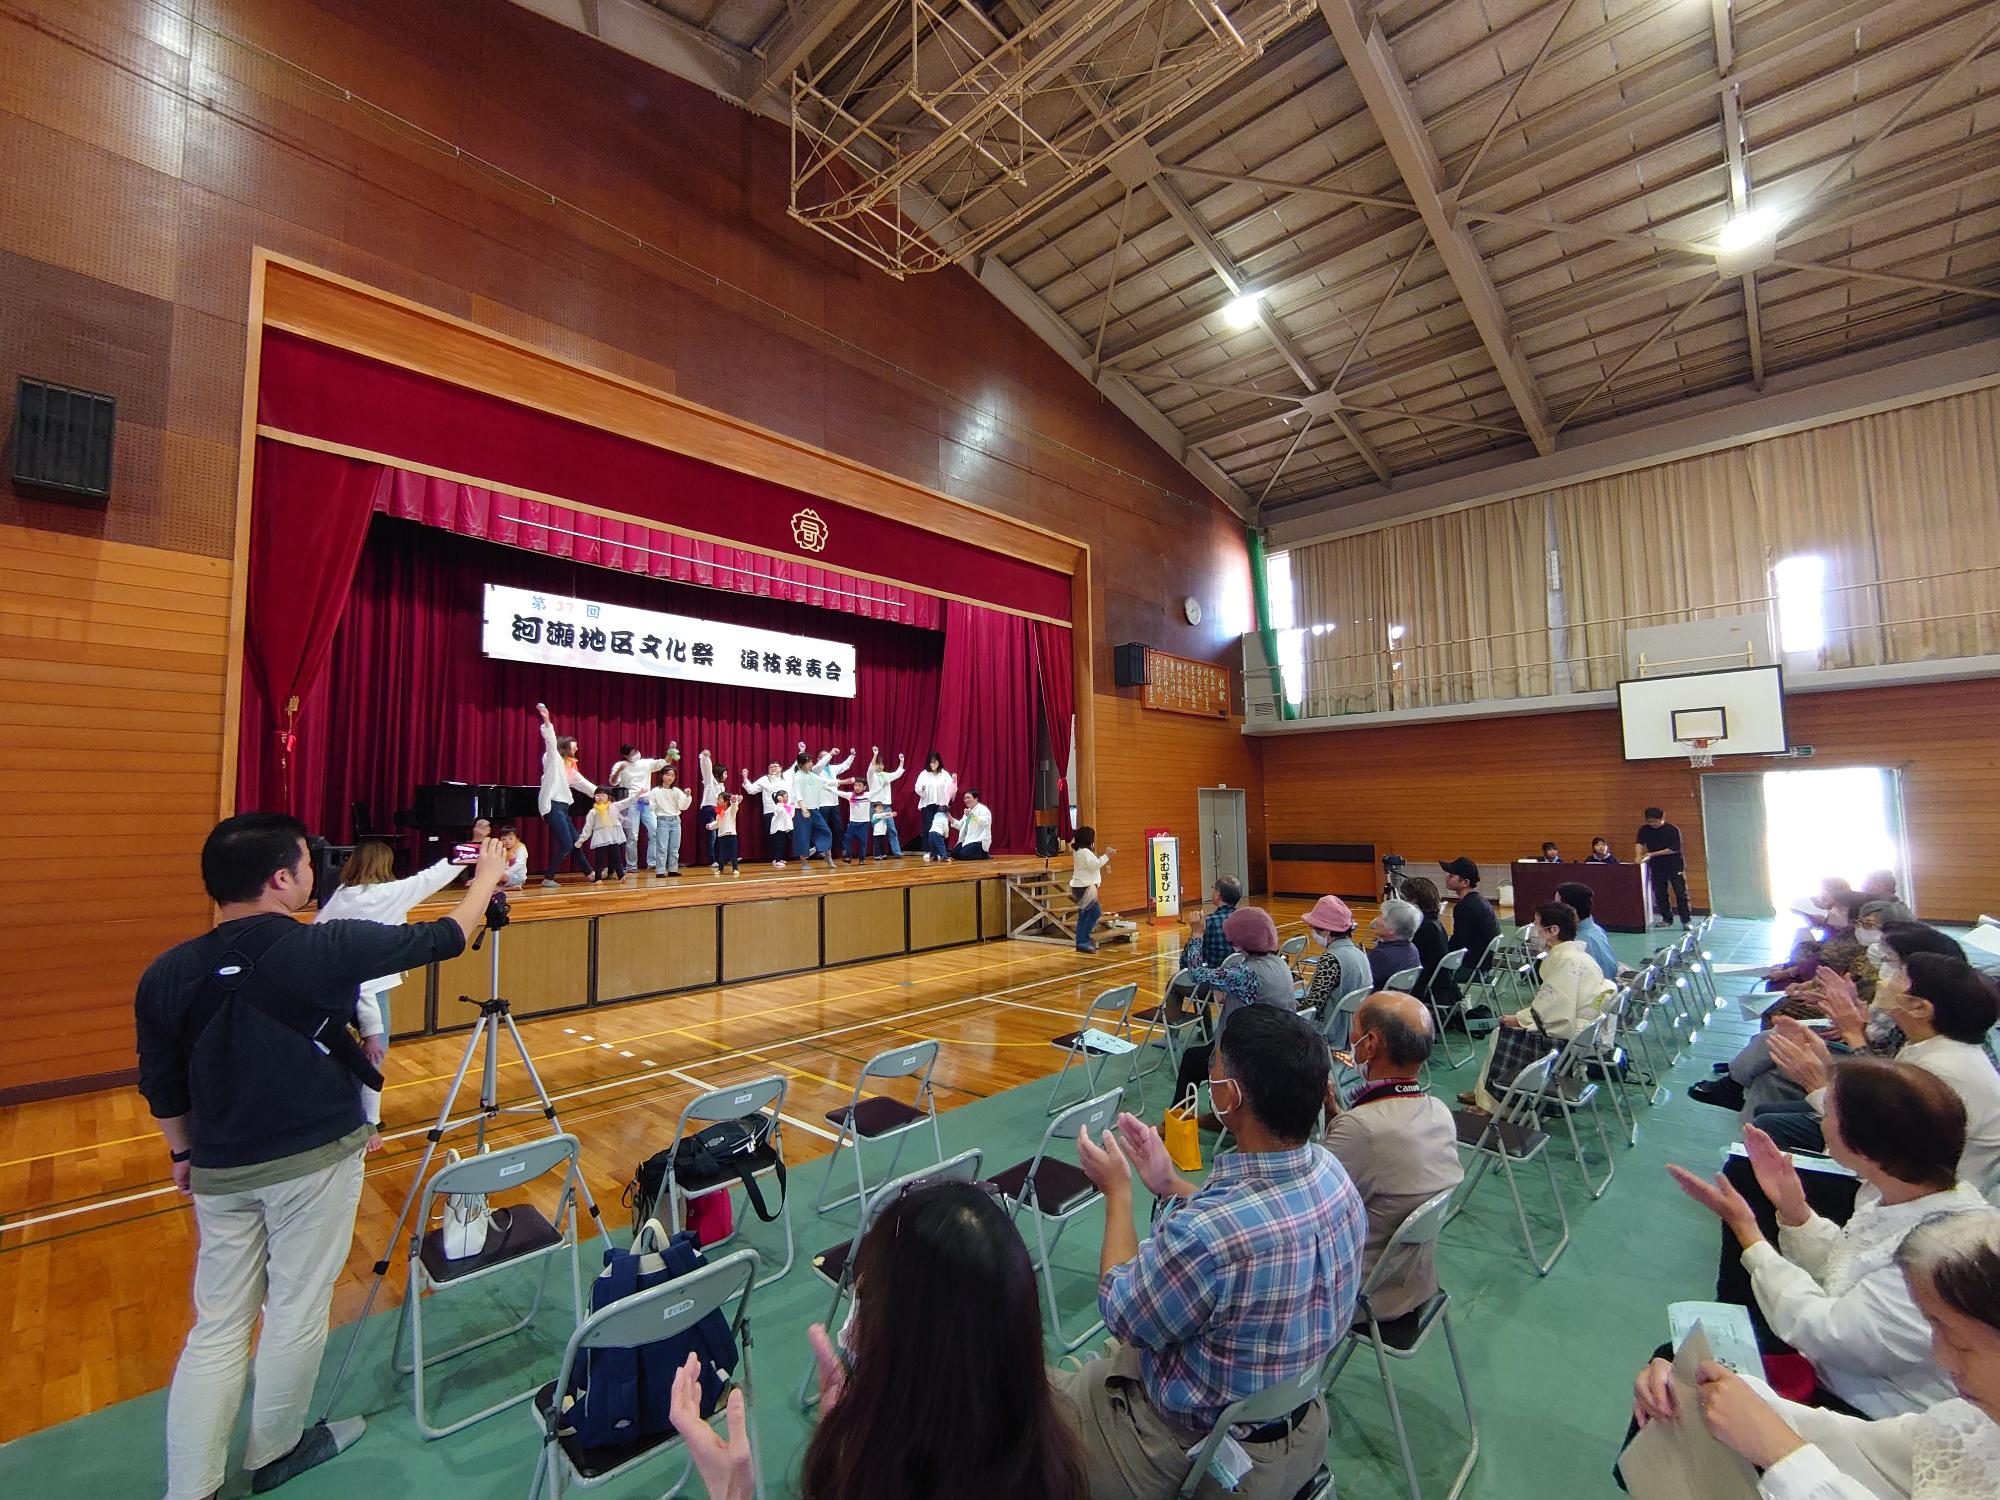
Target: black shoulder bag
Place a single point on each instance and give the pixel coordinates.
(231, 964)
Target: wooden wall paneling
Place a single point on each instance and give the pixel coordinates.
(863, 924)
(769, 937)
(647, 952)
(544, 966)
(993, 921)
(1495, 788)
(409, 1004)
(1150, 766)
(941, 915)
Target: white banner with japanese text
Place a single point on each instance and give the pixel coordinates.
(524, 625)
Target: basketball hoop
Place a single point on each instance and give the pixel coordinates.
(1700, 755)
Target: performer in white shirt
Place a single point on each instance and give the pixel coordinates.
(604, 831)
(882, 798)
(634, 772)
(817, 795)
(714, 787)
(937, 788)
(784, 820)
(560, 779)
(667, 802)
(369, 892)
(975, 829)
(1087, 870)
(860, 816)
(773, 781)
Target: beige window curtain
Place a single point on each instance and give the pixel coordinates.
(1813, 497)
(1466, 591)
(1652, 547)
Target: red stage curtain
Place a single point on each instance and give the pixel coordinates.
(310, 514)
(1054, 676)
(986, 721)
(632, 547)
(407, 696)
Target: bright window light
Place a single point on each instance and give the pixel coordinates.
(1278, 591)
(1747, 229)
(1395, 632)
(1292, 663)
(1801, 588)
(1242, 312)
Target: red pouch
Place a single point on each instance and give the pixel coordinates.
(711, 1217)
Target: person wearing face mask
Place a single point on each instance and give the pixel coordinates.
(1396, 1141)
(1571, 995)
(1246, 1280)
(1948, 1451)
(1342, 967)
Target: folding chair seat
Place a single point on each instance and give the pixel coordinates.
(1054, 1191)
(1110, 1013)
(836, 1264)
(1512, 1135)
(880, 1118)
(1570, 1089)
(653, 1316)
(1402, 1337)
(758, 1096)
(1273, 1404)
(519, 1235)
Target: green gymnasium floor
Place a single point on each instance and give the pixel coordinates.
(1550, 1361)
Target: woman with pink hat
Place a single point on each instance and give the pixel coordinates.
(1255, 974)
(1342, 966)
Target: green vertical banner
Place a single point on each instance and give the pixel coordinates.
(1260, 594)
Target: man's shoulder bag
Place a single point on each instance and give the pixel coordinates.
(229, 966)
(740, 1148)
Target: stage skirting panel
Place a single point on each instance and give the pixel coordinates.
(582, 946)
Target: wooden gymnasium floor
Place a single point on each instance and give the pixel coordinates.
(96, 1249)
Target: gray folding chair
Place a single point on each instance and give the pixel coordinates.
(759, 1096)
(1485, 983)
(1338, 1029)
(1404, 979)
(1403, 1336)
(835, 1265)
(1448, 969)
(1110, 1013)
(519, 1235)
(1513, 1134)
(1571, 1088)
(1293, 950)
(1268, 1405)
(649, 1317)
(1055, 1192)
(882, 1118)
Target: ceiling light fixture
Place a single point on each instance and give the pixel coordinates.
(1242, 312)
(1747, 242)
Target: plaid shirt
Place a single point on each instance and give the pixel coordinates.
(1242, 1285)
(1211, 948)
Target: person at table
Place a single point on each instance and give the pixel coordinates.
(1395, 928)
(1551, 855)
(975, 829)
(1658, 848)
(560, 780)
(1473, 925)
(1600, 852)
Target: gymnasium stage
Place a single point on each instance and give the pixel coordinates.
(584, 945)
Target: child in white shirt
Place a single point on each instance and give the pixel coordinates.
(668, 801)
(604, 831)
(517, 858)
(369, 892)
(781, 826)
(722, 832)
(934, 847)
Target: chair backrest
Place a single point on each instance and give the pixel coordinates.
(963, 1167)
(1095, 1115)
(1492, 950)
(1582, 1049)
(1114, 1001)
(1421, 1226)
(1404, 980)
(1450, 964)
(1292, 947)
(1345, 1006)
(913, 1060)
(1518, 1099)
(1267, 1405)
(756, 1096)
(502, 1169)
(668, 1310)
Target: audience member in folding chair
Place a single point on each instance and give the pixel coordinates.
(685, 1182)
(653, 1316)
(1053, 1191)
(880, 1117)
(518, 1235)
(1111, 1014)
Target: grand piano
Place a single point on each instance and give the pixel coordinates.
(443, 812)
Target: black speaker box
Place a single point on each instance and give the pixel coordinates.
(1048, 843)
(62, 440)
(1128, 664)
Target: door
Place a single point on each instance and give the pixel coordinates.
(1224, 836)
(1732, 832)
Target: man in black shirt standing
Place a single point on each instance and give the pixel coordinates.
(1660, 852)
(1473, 925)
(265, 1128)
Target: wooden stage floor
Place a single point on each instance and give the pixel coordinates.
(96, 1248)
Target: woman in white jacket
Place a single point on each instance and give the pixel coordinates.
(369, 892)
(1948, 1451)
(1834, 1292)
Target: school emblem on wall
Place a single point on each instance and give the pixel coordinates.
(809, 531)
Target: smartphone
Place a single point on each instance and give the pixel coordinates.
(1819, 1023)
(465, 854)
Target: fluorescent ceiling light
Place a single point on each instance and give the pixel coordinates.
(1242, 312)
(1747, 229)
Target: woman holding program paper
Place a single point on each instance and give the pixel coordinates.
(1950, 1451)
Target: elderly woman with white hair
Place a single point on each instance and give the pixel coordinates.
(1395, 929)
(1948, 1451)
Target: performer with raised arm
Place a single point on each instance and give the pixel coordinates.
(860, 817)
(975, 829)
(882, 800)
(634, 773)
(827, 780)
(560, 778)
(772, 782)
(714, 787)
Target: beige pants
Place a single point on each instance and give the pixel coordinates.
(281, 1249)
(1133, 1453)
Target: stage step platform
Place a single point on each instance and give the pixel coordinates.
(1049, 913)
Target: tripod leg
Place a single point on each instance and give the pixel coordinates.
(549, 1114)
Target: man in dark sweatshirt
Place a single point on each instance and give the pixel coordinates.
(1473, 925)
(264, 1127)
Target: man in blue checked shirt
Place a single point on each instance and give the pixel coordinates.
(1207, 948)
(1247, 1280)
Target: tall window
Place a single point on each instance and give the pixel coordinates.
(1800, 585)
(1278, 586)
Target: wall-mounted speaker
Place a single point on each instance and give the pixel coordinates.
(62, 439)
(1128, 664)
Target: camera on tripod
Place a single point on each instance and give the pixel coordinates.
(497, 915)
(1392, 877)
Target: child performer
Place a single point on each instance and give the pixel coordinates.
(714, 787)
(879, 782)
(517, 858)
(560, 778)
(369, 892)
(605, 831)
(860, 815)
(668, 801)
(782, 818)
(883, 827)
(722, 832)
(934, 848)
(635, 773)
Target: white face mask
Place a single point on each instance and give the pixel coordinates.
(1323, 938)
